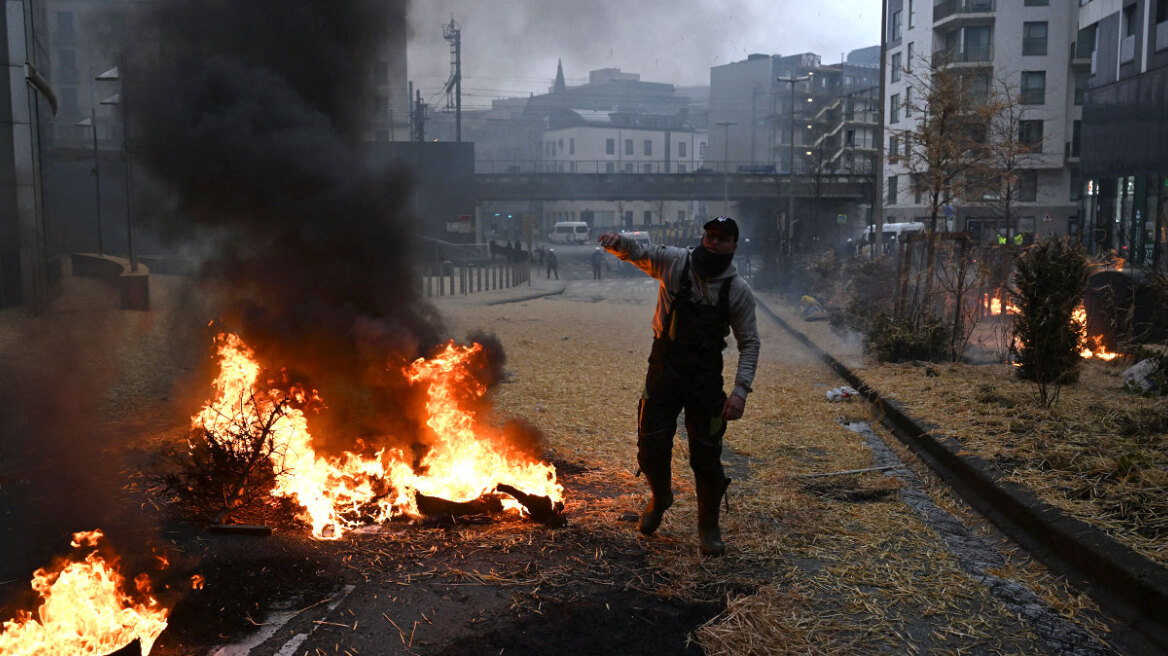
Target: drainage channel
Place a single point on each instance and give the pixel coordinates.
(1127, 586)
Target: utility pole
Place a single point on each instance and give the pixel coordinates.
(453, 33)
(91, 122)
(878, 165)
(725, 125)
(791, 171)
(418, 119)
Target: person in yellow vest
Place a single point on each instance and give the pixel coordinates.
(1018, 239)
(1001, 239)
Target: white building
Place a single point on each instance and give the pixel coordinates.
(588, 141)
(1028, 45)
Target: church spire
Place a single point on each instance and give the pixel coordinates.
(559, 84)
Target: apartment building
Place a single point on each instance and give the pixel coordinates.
(769, 110)
(1027, 45)
(1125, 128)
(589, 141)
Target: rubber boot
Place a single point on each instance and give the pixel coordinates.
(660, 485)
(709, 534)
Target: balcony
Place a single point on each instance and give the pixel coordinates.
(1127, 49)
(951, 12)
(972, 56)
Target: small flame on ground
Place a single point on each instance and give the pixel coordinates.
(1089, 346)
(996, 306)
(197, 582)
(84, 610)
(465, 460)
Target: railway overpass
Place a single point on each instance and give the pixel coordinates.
(700, 185)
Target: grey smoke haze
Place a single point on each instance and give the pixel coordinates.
(510, 47)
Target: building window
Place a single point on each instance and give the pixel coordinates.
(680, 216)
(648, 217)
(1162, 16)
(897, 27)
(1076, 135)
(681, 168)
(1036, 3)
(610, 147)
(1030, 135)
(908, 58)
(629, 167)
(1034, 38)
(896, 67)
(681, 149)
(908, 101)
(850, 138)
(894, 147)
(572, 145)
(912, 13)
(647, 167)
(648, 148)
(609, 167)
(1027, 186)
(67, 66)
(1033, 88)
(892, 190)
(628, 147)
(1081, 78)
(894, 108)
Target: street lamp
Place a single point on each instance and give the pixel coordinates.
(91, 122)
(113, 75)
(791, 170)
(725, 125)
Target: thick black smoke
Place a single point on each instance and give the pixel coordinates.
(252, 114)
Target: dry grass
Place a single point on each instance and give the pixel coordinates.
(815, 565)
(1099, 454)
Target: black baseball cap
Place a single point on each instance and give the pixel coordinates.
(723, 223)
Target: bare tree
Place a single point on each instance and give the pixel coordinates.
(945, 145)
(1010, 139)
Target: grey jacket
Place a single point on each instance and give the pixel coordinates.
(665, 263)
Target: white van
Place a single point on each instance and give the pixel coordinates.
(891, 232)
(569, 232)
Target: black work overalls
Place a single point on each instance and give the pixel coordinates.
(685, 371)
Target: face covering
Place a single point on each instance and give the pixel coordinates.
(709, 264)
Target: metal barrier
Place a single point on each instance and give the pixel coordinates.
(469, 277)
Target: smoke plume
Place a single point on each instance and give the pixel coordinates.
(252, 114)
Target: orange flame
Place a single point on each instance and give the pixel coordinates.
(465, 461)
(84, 610)
(997, 306)
(1089, 346)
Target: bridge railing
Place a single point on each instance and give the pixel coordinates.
(625, 166)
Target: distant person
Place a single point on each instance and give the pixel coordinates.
(700, 300)
(553, 264)
(597, 261)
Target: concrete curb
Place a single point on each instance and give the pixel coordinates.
(1126, 584)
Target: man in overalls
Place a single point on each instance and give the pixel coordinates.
(701, 299)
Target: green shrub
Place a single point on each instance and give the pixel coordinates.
(1049, 280)
(896, 339)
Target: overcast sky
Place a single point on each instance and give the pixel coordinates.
(510, 47)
